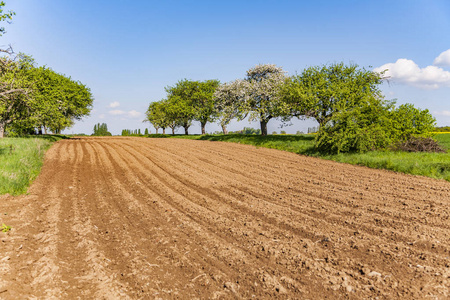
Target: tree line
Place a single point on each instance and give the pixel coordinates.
(345, 100)
(36, 97)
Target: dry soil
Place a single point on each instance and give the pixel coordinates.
(135, 218)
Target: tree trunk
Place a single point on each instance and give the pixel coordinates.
(203, 127)
(2, 129)
(264, 127)
(173, 130)
(164, 130)
(156, 130)
(45, 130)
(224, 129)
(186, 129)
(40, 131)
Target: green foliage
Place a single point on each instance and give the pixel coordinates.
(58, 100)
(158, 114)
(5, 16)
(18, 168)
(321, 91)
(146, 131)
(33, 97)
(350, 109)
(180, 108)
(202, 98)
(15, 102)
(101, 130)
(135, 132)
(361, 128)
(249, 130)
(408, 121)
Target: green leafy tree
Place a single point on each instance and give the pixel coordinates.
(101, 130)
(202, 97)
(157, 115)
(51, 100)
(15, 92)
(180, 103)
(146, 131)
(320, 92)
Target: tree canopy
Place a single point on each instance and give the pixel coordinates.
(257, 96)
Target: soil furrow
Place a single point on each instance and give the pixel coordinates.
(134, 218)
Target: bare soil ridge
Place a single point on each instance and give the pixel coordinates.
(133, 218)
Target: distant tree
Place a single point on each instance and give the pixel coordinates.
(229, 103)
(259, 94)
(146, 131)
(101, 130)
(180, 99)
(249, 130)
(274, 133)
(202, 96)
(157, 115)
(264, 102)
(282, 132)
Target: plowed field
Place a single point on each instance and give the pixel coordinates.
(135, 218)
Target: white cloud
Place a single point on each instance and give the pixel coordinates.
(130, 114)
(114, 104)
(443, 59)
(443, 113)
(101, 116)
(117, 112)
(408, 72)
(134, 114)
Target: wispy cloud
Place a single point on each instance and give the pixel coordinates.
(134, 114)
(117, 112)
(408, 72)
(443, 59)
(443, 113)
(114, 104)
(130, 114)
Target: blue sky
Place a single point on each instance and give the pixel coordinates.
(128, 51)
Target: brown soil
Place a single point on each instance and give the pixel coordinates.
(134, 218)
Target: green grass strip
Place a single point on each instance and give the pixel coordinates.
(21, 160)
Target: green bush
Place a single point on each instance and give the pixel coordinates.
(373, 124)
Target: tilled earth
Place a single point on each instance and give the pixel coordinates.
(135, 218)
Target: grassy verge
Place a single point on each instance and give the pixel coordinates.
(21, 161)
(436, 165)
